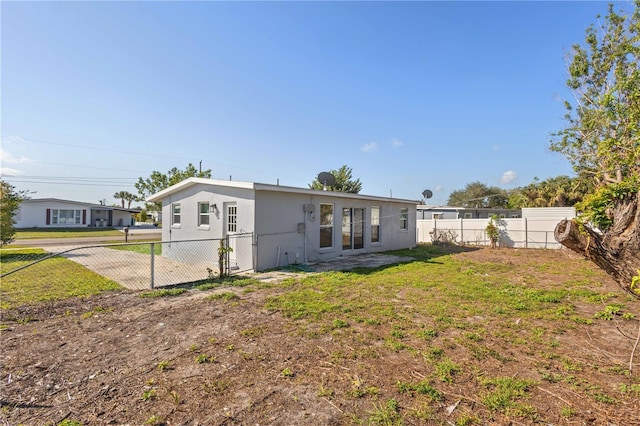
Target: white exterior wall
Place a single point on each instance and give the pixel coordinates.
(279, 242)
(33, 213)
(188, 229)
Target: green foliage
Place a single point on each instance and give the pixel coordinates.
(504, 392)
(386, 415)
(125, 196)
(560, 191)
(602, 132)
(635, 283)
(158, 181)
(344, 181)
(492, 230)
(167, 292)
(596, 208)
(10, 200)
(67, 422)
(479, 195)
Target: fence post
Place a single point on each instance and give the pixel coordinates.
(227, 256)
(461, 231)
(526, 234)
(152, 264)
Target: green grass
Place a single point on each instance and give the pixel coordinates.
(38, 233)
(142, 248)
(52, 279)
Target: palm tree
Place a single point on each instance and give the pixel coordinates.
(125, 196)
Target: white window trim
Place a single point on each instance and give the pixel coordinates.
(206, 226)
(173, 224)
(379, 225)
(332, 226)
(406, 226)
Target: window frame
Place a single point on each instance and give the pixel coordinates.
(232, 218)
(324, 227)
(437, 216)
(375, 225)
(76, 218)
(404, 219)
(204, 214)
(174, 223)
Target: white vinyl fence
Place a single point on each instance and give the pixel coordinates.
(517, 232)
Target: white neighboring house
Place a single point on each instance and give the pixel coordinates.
(56, 213)
(273, 225)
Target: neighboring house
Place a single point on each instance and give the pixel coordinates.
(56, 213)
(448, 212)
(273, 225)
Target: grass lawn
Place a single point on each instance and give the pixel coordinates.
(52, 279)
(37, 233)
(142, 248)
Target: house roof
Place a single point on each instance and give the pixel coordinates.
(267, 187)
(79, 203)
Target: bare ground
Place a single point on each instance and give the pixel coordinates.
(100, 361)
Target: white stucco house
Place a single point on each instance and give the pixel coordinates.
(57, 213)
(274, 225)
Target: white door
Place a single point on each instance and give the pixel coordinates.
(231, 229)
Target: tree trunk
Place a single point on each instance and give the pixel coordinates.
(617, 251)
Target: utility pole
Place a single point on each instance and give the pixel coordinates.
(200, 168)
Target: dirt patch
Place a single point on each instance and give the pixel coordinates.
(121, 359)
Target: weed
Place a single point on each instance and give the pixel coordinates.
(386, 415)
(325, 392)
(567, 412)
(467, 420)
(216, 387)
(165, 292)
(67, 422)
(421, 388)
(635, 388)
(26, 320)
(608, 312)
(339, 323)
(148, 394)
(504, 393)
(163, 365)
(428, 333)
(287, 372)
(193, 348)
(154, 421)
(446, 369)
(204, 359)
(175, 397)
(253, 332)
(227, 296)
(604, 398)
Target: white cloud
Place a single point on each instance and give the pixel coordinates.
(396, 142)
(368, 147)
(508, 176)
(6, 157)
(6, 171)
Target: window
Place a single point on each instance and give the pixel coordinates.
(326, 225)
(375, 224)
(468, 215)
(352, 228)
(175, 214)
(232, 218)
(65, 217)
(203, 214)
(404, 219)
(437, 216)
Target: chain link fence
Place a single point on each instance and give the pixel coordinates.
(135, 266)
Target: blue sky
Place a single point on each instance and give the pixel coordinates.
(410, 95)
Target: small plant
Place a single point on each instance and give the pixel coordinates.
(227, 296)
(567, 412)
(167, 292)
(216, 387)
(339, 323)
(163, 365)
(204, 359)
(193, 348)
(67, 422)
(223, 251)
(253, 332)
(493, 233)
(175, 397)
(154, 420)
(325, 392)
(287, 372)
(446, 369)
(148, 394)
(387, 414)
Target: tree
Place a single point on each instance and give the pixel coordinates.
(10, 200)
(478, 195)
(157, 181)
(125, 196)
(602, 141)
(560, 191)
(344, 181)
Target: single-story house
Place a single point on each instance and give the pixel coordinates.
(449, 212)
(57, 213)
(273, 225)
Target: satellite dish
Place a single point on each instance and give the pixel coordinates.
(325, 179)
(427, 193)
